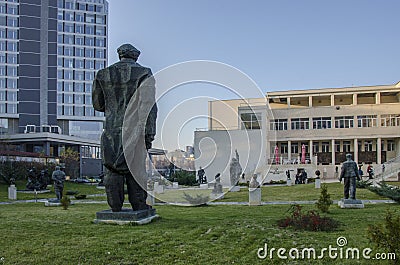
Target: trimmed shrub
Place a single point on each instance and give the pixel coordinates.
(324, 201)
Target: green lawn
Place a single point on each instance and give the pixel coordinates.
(34, 234)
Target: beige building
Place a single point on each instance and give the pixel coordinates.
(327, 123)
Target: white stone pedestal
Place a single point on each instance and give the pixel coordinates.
(150, 198)
(235, 189)
(175, 185)
(12, 192)
(289, 182)
(350, 204)
(204, 186)
(317, 183)
(254, 196)
(158, 188)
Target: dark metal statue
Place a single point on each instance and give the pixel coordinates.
(113, 89)
(349, 173)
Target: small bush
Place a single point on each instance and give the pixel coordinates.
(65, 201)
(387, 235)
(363, 184)
(187, 178)
(324, 201)
(311, 221)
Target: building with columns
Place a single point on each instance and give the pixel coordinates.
(328, 123)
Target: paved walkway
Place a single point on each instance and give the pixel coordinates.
(211, 203)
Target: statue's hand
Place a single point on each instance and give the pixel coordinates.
(149, 138)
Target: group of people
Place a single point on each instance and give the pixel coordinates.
(301, 177)
(40, 181)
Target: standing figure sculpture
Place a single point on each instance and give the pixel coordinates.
(113, 89)
(202, 176)
(58, 177)
(349, 173)
(235, 170)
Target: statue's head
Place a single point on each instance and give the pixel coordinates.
(234, 159)
(348, 156)
(128, 51)
(57, 168)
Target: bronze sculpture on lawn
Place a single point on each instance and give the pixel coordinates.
(113, 89)
(349, 173)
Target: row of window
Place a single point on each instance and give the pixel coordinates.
(8, 95)
(11, 9)
(6, 33)
(77, 111)
(8, 58)
(363, 121)
(81, 17)
(10, 108)
(81, 29)
(74, 87)
(78, 63)
(340, 146)
(11, 46)
(9, 21)
(75, 75)
(81, 52)
(9, 83)
(75, 5)
(81, 40)
(74, 99)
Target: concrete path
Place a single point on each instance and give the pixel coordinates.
(211, 203)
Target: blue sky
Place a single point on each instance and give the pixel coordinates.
(281, 45)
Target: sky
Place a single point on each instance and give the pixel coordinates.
(279, 44)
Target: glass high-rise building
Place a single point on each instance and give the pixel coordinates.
(49, 53)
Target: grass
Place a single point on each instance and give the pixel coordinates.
(34, 234)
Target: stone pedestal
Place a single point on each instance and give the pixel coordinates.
(55, 203)
(158, 188)
(317, 183)
(289, 182)
(350, 204)
(12, 192)
(175, 185)
(150, 200)
(204, 186)
(235, 189)
(254, 196)
(126, 216)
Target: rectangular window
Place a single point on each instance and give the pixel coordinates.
(250, 121)
(79, 75)
(12, 34)
(89, 52)
(79, 87)
(59, 86)
(3, 8)
(12, 58)
(88, 100)
(60, 15)
(68, 86)
(2, 95)
(79, 28)
(59, 98)
(2, 107)
(12, 46)
(12, 71)
(295, 148)
(344, 122)
(2, 82)
(89, 29)
(99, 65)
(100, 53)
(68, 98)
(80, 17)
(12, 21)
(69, 51)
(3, 33)
(11, 108)
(368, 146)
(78, 111)
(68, 110)
(325, 147)
(69, 27)
(89, 111)
(2, 70)
(89, 76)
(346, 146)
(391, 145)
(278, 125)
(100, 42)
(69, 5)
(284, 148)
(12, 83)
(12, 96)
(89, 41)
(79, 99)
(79, 40)
(367, 121)
(90, 8)
(90, 18)
(69, 16)
(79, 63)
(12, 9)
(389, 120)
(68, 74)
(89, 64)
(300, 124)
(322, 123)
(79, 52)
(315, 147)
(88, 87)
(68, 63)
(100, 19)
(100, 31)
(337, 146)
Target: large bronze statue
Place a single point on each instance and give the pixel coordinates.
(349, 173)
(113, 89)
(59, 177)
